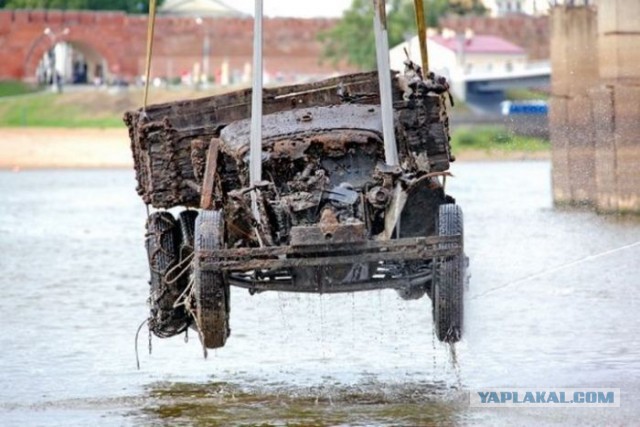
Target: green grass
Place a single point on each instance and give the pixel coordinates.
(89, 108)
(13, 87)
(50, 110)
(494, 138)
(94, 109)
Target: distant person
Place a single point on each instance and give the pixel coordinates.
(58, 82)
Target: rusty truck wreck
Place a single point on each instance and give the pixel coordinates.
(331, 215)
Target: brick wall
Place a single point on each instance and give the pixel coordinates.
(290, 45)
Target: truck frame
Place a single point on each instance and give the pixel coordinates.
(348, 195)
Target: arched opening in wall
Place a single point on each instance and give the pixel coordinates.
(72, 62)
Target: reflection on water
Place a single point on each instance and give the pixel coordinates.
(74, 283)
(331, 404)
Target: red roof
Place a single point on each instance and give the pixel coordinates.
(480, 44)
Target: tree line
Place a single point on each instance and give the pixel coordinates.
(131, 6)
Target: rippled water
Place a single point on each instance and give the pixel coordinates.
(74, 286)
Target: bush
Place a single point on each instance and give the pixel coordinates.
(13, 87)
(494, 138)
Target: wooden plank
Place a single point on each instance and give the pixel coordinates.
(208, 181)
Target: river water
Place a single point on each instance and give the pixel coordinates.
(553, 301)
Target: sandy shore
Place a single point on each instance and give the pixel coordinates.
(41, 148)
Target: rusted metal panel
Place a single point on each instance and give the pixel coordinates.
(164, 139)
(328, 233)
(366, 246)
(414, 254)
(296, 129)
(243, 259)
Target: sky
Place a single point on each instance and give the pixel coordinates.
(298, 8)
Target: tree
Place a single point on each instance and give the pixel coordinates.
(465, 7)
(131, 6)
(352, 39)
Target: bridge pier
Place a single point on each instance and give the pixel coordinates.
(574, 65)
(595, 106)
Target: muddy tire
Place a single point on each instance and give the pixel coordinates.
(447, 287)
(163, 243)
(211, 287)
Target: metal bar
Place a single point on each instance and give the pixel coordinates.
(367, 285)
(255, 153)
(257, 264)
(422, 35)
(192, 185)
(384, 78)
(397, 245)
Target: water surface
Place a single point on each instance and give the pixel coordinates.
(74, 283)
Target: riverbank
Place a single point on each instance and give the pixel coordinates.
(60, 148)
(57, 148)
(85, 107)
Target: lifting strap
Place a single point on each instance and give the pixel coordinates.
(150, 29)
(422, 36)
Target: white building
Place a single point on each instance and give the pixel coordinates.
(201, 8)
(456, 55)
(459, 56)
(506, 7)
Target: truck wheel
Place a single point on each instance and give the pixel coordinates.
(163, 243)
(448, 279)
(211, 287)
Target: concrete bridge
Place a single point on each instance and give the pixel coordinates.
(114, 43)
(595, 105)
(487, 90)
